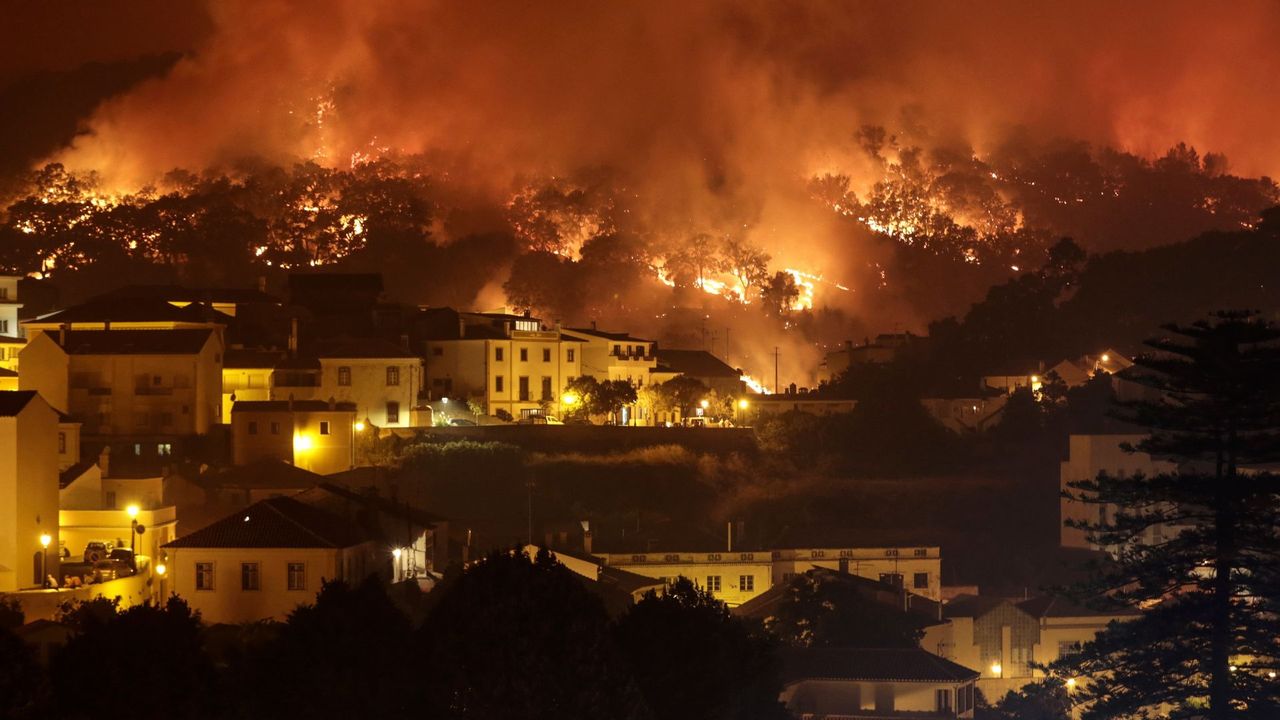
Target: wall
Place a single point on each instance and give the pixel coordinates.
(44, 368)
(228, 603)
(869, 563)
(80, 527)
(602, 438)
(28, 493)
(1088, 456)
(848, 697)
(369, 389)
(728, 566)
(244, 384)
(134, 590)
(264, 444)
(327, 454)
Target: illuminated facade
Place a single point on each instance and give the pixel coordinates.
(500, 361)
(311, 434)
(1089, 455)
(28, 490)
(11, 340)
(738, 576)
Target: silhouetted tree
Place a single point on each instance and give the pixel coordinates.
(146, 662)
(23, 684)
(1043, 700)
(1207, 635)
(523, 638)
(823, 609)
(351, 654)
(692, 659)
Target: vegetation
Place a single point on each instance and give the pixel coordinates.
(1194, 548)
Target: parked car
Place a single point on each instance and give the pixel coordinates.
(95, 551)
(462, 422)
(540, 420)
(105, 570)
(124, 555)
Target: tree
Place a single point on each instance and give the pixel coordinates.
(515, 636)
(1207, 635)
(23, 686)
(350, 654)
(692, 659)
(748, 264)
(611, 396)
(825, 609)
(157, 647)
(684, 392)
(1044, 700)
(779, 294)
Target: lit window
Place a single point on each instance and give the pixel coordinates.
(249, 576)
(297, 576)
(204, 576)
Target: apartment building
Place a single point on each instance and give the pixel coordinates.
(28, 490)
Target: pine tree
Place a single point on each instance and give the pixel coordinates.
(1207, 640)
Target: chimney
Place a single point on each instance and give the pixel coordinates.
(729, 536)
(104, 461)
(293, 337)
(593, 324)
(586, 536)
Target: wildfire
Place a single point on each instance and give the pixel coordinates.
(755, 385)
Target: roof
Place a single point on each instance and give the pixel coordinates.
(875, 664)
(73, 473)
(11, 340)
(278, 522)
(265, 475)
(241, 358)
(132, 342)
(974, 606)
(622, 336)
(124, 309)
(291, 406)
(180, 293)
(920, 608)
(13, 402)
(1048, 606)
(6, 372)
(694, 363)
(330, 496)
(358, 348)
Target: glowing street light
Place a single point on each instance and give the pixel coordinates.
(569, 399)
(1106, 357)
(396, 553)
(1071, 684)
(997, 669)
(132, 510)
(743, 404)
(302, 442)
(45, 539)
(161, 569)
(705, 404)
(359, 426)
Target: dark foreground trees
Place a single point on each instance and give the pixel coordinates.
(1196, 549)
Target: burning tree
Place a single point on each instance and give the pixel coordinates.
(1206, 584)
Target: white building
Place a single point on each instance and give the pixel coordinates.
(314, 435)
(880, 683)
(11, 339)
(28, 490)
(1089, 455)
(509, 363)
(381, 379)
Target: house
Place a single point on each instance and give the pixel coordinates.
(1078, 371)
(112, 313)
(314, 435)
(502, 362)
(875, 684)
(1009, 381)
(11, 339)
(243, 485)
(263, 561)
(1006, 637)
(153, 385)
(967, 412)
(380, 378)
(700, 365)
(8, 378)
(247, 375)
(922, 610)
(28, 490)
(615, 355)
(737, 576)
(231, 302)
(884, 349)
(1089, 455)
(764, 406)
(618, 588)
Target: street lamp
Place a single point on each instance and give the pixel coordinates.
(45, 539)
(359, 426)
(133, 530)
(396, 553)
(997, 669)
(743, 404)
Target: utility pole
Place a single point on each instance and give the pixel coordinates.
(775, 369)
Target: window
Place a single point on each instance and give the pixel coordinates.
(393, 412)
(747, 583)
(546, 354)
(249, 576)
(393, 375)
(163, 449)
(524, 354)
(297, 576)
(617, 349)
(894, 579)
(639, 351)
(62, 442)
(920, 581)
(1068, 647)
(253, 427)
(344, 376)
(713, 583)
(943, 696)
(324, 427)
(497, 383)
(569, 355)
(524, 389)
(497, 354)
(155, 380)
(546, 388)
(4, 293)
(275, 428)
(4, 327)
(437, 351)
(204, 576)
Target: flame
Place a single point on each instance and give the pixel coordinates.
(755, 385)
